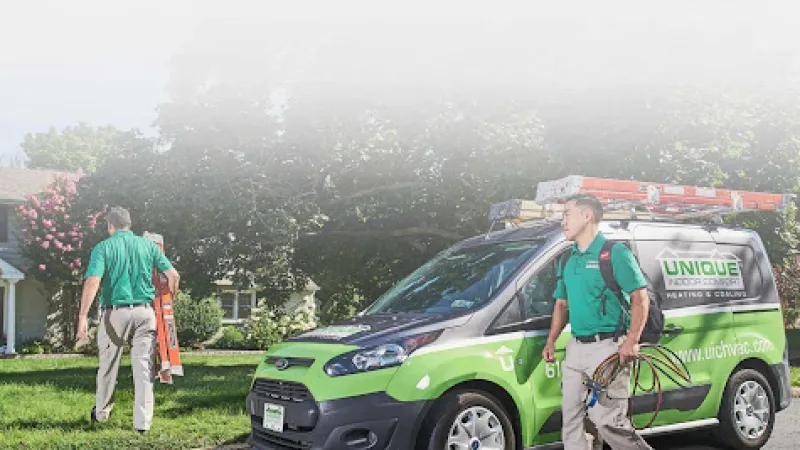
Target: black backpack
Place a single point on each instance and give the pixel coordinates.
(654, 325)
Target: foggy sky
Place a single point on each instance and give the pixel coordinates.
(63, 62)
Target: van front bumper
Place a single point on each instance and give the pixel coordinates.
(372, 421)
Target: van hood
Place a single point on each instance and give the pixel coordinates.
(370, 330)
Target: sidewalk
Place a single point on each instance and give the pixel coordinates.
(210, 352)
(227, 447)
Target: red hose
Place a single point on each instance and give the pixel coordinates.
(666, 360)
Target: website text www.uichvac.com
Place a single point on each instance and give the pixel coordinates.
(721, 350)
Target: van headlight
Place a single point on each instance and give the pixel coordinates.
(379, 357)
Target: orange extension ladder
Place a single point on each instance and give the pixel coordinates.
(169, 356)
(638, 199)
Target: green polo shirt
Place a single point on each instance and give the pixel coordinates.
(125, 262)
(583, 287)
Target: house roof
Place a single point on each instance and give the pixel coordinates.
(9, 272)
(16, 183)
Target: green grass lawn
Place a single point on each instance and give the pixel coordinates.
(45, 403)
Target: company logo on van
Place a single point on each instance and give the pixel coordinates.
(691, 270)
(282, 364)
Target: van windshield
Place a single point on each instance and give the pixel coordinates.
(455, 280)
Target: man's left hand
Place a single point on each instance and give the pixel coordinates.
(628, 351)
(83, 331)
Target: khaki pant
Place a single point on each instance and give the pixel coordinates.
(137, 327)
(608, 417)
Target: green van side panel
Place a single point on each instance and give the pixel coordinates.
(761, 335)
(506, 363)
(701, 334)
(711, 345)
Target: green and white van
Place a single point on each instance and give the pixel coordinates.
(450, 357)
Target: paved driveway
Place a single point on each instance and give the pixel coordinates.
(785, 436)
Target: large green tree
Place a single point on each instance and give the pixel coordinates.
(79, 147)
(279, 166)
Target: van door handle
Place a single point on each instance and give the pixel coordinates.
(673, 330)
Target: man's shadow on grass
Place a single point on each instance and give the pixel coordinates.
(66, 425)
(82, 425)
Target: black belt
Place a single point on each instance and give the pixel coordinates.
(596, 337)
(130, 306)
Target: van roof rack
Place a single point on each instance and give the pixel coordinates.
(635, 200)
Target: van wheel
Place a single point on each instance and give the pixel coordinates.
(463, 420)
(748, 411)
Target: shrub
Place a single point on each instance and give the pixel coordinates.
(787, 278)
(196, 320)
(270, 327)
(56, 236)
(35, 347)
(232, 339)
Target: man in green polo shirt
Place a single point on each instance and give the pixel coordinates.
(121, 268)
(594, 314)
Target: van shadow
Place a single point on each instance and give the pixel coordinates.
(698, 440)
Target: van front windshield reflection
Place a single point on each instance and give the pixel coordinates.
(457, 280)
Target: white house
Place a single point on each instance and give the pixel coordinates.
(24, 311)
(239, 304)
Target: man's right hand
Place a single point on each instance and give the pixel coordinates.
(549, 352)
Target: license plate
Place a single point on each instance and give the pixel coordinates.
(273, 417)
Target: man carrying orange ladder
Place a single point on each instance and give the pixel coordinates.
(121, 267)
(169, 356)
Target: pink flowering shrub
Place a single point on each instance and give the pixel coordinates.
(55, 238)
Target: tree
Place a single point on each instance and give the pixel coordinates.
(222, 216)
(274, 173)
(787, 279)
(743, 141)
(398, 190)
(80, 147)
(57, 237)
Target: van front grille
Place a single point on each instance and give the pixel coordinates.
(281, 390)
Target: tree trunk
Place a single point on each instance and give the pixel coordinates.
(62, 319)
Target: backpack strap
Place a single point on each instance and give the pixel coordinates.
(563, 264)
(607, 271)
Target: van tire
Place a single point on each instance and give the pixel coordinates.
(745, 380)
(436, 429)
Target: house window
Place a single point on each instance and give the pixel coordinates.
(4, 227)
(237, 305)
(227, 298)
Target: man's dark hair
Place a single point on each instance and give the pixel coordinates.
(119, 218)
(589, 201)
